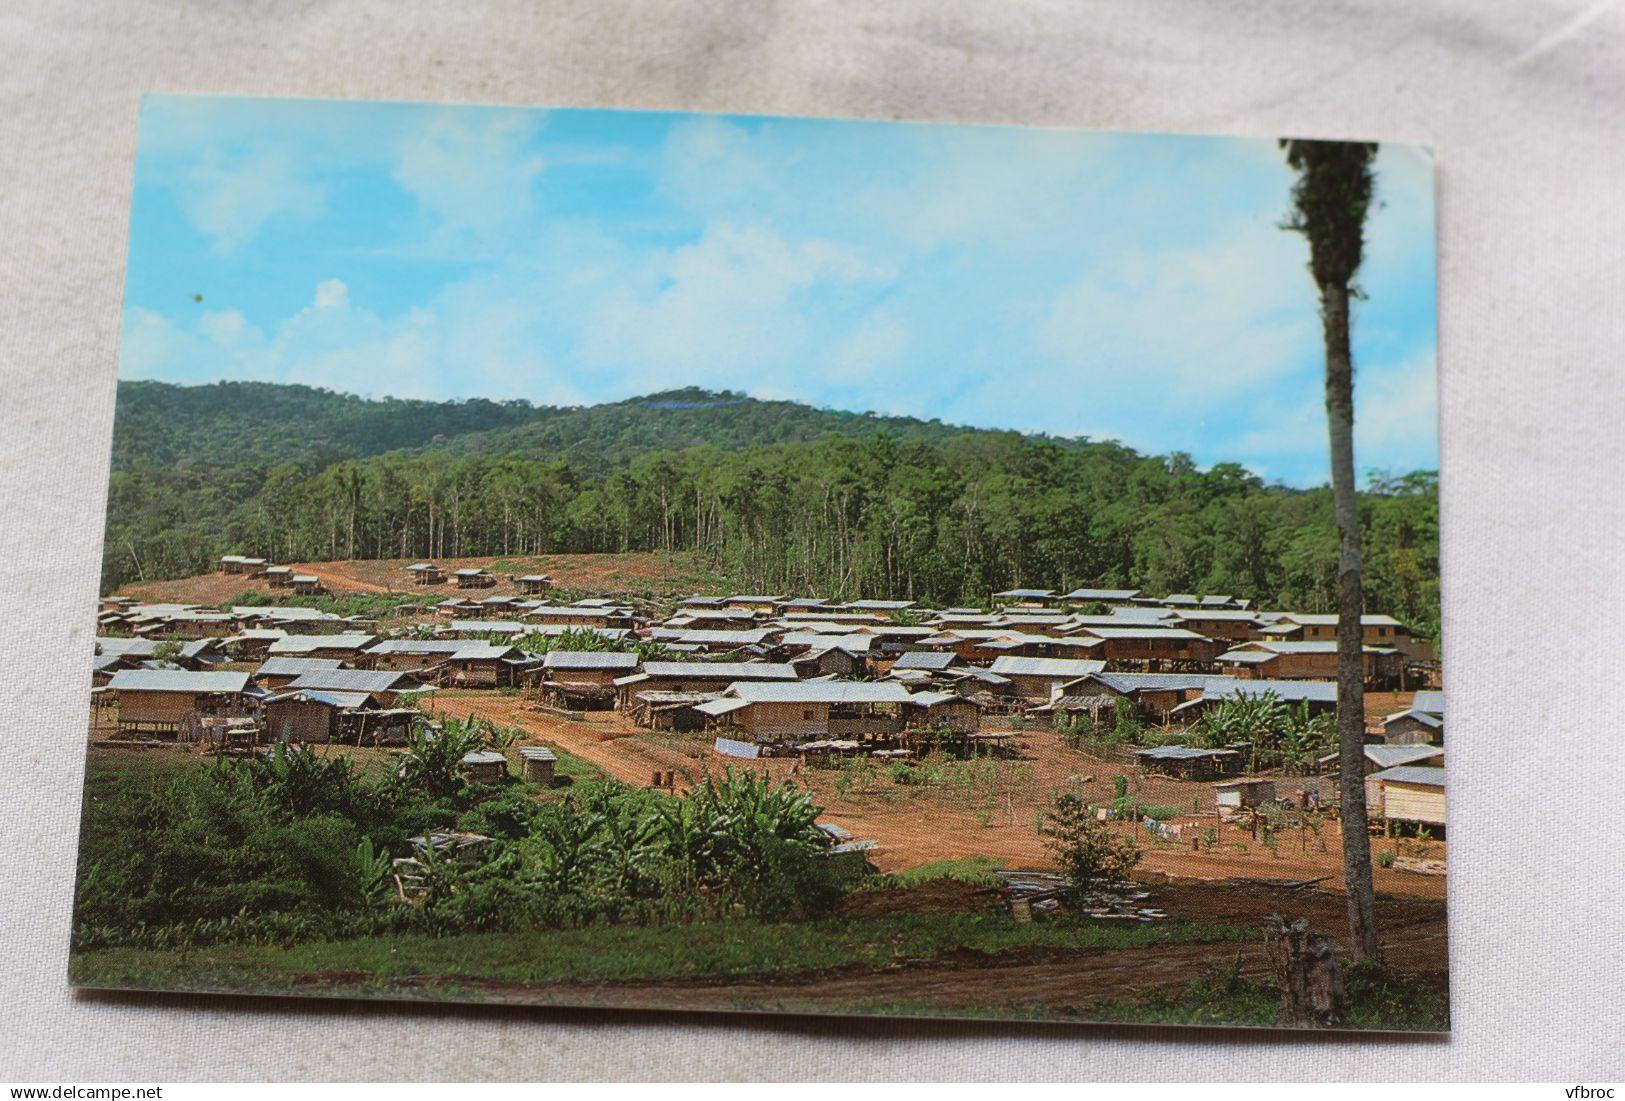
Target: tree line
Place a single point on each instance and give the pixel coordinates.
(940, 521)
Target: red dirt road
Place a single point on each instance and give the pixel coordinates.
(1064, 982)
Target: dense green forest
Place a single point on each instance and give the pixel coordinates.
(788, 497)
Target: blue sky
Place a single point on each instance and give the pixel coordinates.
(1118, 286)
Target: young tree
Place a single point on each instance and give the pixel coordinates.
(1329, 201)
(1088, 852)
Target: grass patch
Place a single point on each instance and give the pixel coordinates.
(976, 870)
(610, 953)
(1376, 1000)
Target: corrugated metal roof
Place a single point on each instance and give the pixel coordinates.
(354, 680)
(819, 691)
(1102, 594)
(1248, 657)
(138, 647)
(1393, 756)
(721, 670)
(1143, 632)
(1008, 665)
(1330, 620)
(1431, 702)
(476, 650)
(1018, 594)
(925, 659)
(814, 640)
(982, 676)
(568, 611)
(1213, 615)
(417, 646)
(721, 638)
(295, 667)
(1424, 775)
(721, 707)
(304, 644)
(177, 680)
(1426, 718)
(589, 659)
(1290, 691)
(489, 627)
(1134, 682)
(879, 605)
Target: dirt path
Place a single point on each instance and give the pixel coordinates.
(1062, 980)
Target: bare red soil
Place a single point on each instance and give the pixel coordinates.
(660, 574)
(915, 825)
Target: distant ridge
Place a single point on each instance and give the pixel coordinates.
(264, 424)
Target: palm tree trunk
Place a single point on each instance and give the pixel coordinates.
(1334, 304)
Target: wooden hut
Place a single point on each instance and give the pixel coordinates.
(537, 764)
(1189, 762)
(347, 646)
(169, 701)
(310, 715)
(1154, 649)
(672, 711)
(473, 578)
(531, 584)
(240, 564)
(1233, 797)
(1384, 666)
(1412, 795)
(810, 709)
(485, 766)
(426, 573)
(702, 677)
(943, 711)
(388, 688)
(1040, 679)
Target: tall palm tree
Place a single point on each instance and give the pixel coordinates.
(1329, 201)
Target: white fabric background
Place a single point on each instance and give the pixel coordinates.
(1523, 103)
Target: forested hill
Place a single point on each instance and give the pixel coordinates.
(231, 422)
(784, 496)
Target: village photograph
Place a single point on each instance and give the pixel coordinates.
(671, 561)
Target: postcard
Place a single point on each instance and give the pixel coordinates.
(573, 557)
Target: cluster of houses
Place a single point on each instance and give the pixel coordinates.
(766, 674)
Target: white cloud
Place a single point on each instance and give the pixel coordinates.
(473, 174)
(734, 308)
(332, 294)
(231, 196)
(1200, 324)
